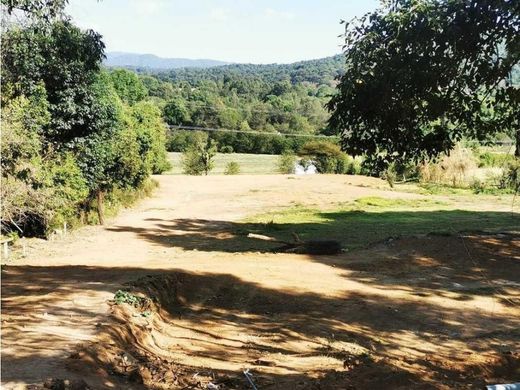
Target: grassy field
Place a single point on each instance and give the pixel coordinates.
(372, 219)
(250, 164)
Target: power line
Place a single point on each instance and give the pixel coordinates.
(224, 130)
(219, 130)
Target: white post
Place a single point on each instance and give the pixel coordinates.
(6, 250)
(64, 228)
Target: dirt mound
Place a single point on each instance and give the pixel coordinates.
(139, 348)
(183, 330)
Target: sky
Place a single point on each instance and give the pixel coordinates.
(246, 31)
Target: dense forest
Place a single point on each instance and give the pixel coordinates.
(288, 99)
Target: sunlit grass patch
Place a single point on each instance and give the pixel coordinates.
(367, 220)
(249, 164)
(375, 201)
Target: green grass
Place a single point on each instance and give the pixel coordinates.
(375, 201)
(250, 164)
(499, 160)
(373, 219)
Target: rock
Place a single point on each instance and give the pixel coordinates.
(54, 384)
(65, 384)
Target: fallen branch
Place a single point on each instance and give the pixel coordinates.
(311, 247)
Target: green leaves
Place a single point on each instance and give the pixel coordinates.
(128, 86)
(71, 130)
(62, 59)
(197, 159)
(421, 74)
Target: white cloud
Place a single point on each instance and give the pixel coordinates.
(220, 14)
(274, 14)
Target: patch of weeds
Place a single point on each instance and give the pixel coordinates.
(375, 201)
(493, 159)
(127, 297)
(441, 189)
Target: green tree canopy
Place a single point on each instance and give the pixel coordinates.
(65, 61)
(176, 113)
(72, 132)
(422, 74)
(128, 86)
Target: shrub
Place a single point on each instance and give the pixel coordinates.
(286, 163)
(69, 189)
(197, 159)
(226, 149)
(451, 169)
(232, 168)
(178, 141)
(511, 176)
(390, 175)
(327, 156)
(490, 159)
(477, 185)
(144, 119)
(354, 165)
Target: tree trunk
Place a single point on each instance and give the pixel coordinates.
(100, 207)
(517, 149)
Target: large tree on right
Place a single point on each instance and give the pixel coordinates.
(424, 74)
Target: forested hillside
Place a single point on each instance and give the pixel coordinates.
(288, 99)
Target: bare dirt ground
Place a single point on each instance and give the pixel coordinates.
(424, 312)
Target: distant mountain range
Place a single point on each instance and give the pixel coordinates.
(150, 61)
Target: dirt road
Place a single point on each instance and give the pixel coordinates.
(397, 311)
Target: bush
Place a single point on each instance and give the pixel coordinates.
(354, 165)
(511, 177)
(115, 200)
(197, 159)
(451, 169)
(232, 168)
(69, 189)
(286, 163)
(327, 156)
(390, 175)
(498, 160)
(477, 185)
(145, 121)
(226, 149)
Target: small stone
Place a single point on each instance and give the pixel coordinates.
(54, 384)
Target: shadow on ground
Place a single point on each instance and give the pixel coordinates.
(354, 229)
(412, 316)
(435, 259)
(277, 323)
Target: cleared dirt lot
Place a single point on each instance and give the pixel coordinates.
(418, 312)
